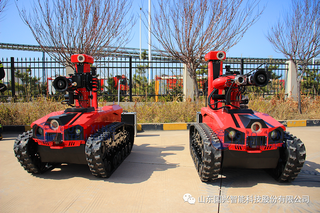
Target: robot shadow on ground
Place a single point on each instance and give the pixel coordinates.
(237, 178)
(136, 168)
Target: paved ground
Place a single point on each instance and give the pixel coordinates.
(154, 178)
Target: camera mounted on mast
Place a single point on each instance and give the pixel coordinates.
(82, 85)
(225, 90)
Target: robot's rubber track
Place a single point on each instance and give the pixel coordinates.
(25, 150)
(206, 155)
(291, 160)
(107, 148)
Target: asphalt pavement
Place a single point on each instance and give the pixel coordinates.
(159, 176)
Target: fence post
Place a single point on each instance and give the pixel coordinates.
(188, 87)
(291, 88)
(241, 66)
(13, 83)
(44, 76)
(130, 78)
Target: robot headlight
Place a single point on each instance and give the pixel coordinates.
(78, 131)
(275, 135)
(232, 134)
(54, 124)
(256, 127)
(39, 131)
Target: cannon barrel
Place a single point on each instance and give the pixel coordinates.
(259, 78)
(62, 83)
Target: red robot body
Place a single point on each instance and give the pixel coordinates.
(233, 136)
(82, 134)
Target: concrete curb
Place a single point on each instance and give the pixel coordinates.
(185, 126)
(175, 126)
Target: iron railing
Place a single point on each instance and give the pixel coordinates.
(160, 77)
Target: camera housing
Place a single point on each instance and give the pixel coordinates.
(215, 55)
(82, 85)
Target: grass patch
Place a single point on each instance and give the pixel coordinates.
(287, 109)
(25, 113)
(164, 112)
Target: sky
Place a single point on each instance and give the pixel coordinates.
(254, 43)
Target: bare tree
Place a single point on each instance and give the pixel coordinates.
(3, 4)
(297, 36)
(66, 27)
(188, 29)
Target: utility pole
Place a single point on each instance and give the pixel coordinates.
(140, 33)
(150, 58)
(314, 34)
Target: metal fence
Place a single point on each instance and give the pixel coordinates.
(34, 77)
(310, 81)
(159, 77)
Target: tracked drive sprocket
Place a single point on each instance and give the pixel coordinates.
(205, 151)
(292, 158)
(25, 150)
(107, 148)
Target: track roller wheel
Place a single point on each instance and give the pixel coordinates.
(292, 158)
(97, 154)
(25, 150)
(205, 151)
(106, 149)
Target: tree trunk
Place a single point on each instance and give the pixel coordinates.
(192, 73)
(299, 88)
(299, 95)
(196, 89)
(299, 85)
